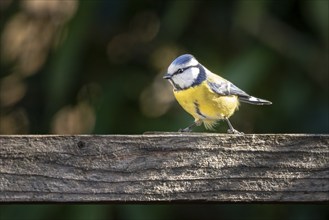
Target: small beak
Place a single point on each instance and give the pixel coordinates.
(167, 76)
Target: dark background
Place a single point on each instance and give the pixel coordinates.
(95, 67)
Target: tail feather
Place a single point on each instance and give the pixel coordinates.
(254, 101)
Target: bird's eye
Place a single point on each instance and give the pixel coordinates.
(180, 70)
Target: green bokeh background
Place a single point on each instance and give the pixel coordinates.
(100, 71)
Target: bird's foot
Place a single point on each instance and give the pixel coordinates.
(188, 129)
(233, 131)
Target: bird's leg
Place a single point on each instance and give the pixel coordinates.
(231, 130)
(189, 128)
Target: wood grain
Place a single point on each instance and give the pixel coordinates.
(168, 167)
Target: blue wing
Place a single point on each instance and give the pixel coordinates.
(225, 88)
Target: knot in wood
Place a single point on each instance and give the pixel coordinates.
(81, 144)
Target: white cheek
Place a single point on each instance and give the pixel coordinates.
(186, 79)
(194, 72)
(183, 80)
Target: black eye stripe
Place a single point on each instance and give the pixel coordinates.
(181, 70)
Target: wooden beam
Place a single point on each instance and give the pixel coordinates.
(167, 167)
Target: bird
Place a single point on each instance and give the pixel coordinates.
(206, 96)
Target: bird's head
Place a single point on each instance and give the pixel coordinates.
(185, 72)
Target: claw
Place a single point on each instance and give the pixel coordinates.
(185, 130)
(233, 131)
(189, 128)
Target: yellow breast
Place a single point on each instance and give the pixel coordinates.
(203, 104)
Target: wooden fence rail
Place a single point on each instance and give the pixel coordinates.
(164, 167)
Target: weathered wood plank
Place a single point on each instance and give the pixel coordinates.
(165, 168)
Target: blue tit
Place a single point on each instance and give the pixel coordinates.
(205, 95)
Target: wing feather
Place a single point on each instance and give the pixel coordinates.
(224, 87)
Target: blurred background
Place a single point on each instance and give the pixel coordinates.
(96, 67)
